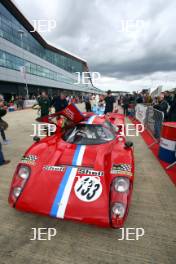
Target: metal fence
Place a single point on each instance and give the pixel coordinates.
(153, 122)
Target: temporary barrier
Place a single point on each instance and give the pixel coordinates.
(167, 150)
(29, 103)
(163, 132)
(140, 112)
(153, 122)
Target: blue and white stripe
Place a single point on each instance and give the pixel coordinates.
(167, 150)
(91, 119)
(63, 193)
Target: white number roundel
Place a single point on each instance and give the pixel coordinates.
(88, 189)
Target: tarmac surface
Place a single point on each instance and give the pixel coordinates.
(153, 208)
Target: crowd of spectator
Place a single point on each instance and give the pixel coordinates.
(58, 102)
(165, 102)
(18, 101)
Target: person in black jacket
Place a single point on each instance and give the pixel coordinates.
(87, 103)
(126, 102)
(168, 97)
(59, 102)
(162, 106)
(109, 102)
(139, 99)
(44, 104)
(172, 111)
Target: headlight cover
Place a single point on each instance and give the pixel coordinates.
(17, 191)
(116, 129)
(118, 209)
(121, 184)
(24, 172)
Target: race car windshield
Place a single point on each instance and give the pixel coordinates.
(86, 134)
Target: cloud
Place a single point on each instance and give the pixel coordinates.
(123, 40)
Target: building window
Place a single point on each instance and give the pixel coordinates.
(10, 29)
(13, 62)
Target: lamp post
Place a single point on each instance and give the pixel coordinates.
(21, 33)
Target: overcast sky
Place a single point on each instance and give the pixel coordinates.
(131, 43)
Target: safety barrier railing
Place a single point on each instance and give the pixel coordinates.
(153, 123)
(152, 119)
(171, 165)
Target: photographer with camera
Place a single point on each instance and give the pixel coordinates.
(3, 124)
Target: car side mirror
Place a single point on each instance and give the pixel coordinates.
(128, 144)
(36, 138)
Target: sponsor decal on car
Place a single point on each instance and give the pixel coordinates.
(88, 189)
(91, 172)
(54, 168)
(81, 171)
(121, 169)
(31, 159)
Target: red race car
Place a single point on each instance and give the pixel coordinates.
(83, 172)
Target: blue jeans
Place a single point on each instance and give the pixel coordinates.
(1, 156)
